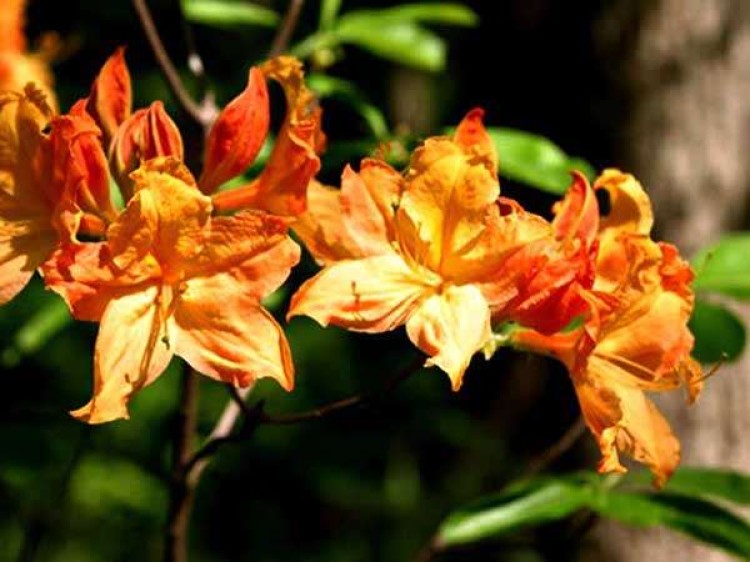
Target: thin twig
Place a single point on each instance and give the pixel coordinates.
(560, 447)
(256, 416)
(201, 113)
(181, 491)
(286, 29)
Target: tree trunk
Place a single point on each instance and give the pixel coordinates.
(680, 68)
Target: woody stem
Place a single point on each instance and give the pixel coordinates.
(203, 114)
(182, 488)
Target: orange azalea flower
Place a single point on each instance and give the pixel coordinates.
(51, 184)
(238, 134)
(421, 250)
(17, 67)
(170, 279)
(636, 338)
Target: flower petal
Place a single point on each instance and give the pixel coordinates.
(132, 349)
(282, 186)
(321, 227)
(374, 294)
(451, 327)
(624, 420)
(444, 207)
(237, 135)
(472, 135)
(147, 134)
(368, 226)
(110, 101)
(223, 332)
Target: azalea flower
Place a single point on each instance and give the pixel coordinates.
(635, 338)
(53, 184)
(425, 250)
(18, 67)
(171, 279)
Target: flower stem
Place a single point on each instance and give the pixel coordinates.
(182, 489)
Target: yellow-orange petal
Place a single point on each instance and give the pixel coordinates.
(321, 227)
(23, 247)
(165, 217)
(368, 228)
(132, 350)
(237, 135)
(472, 135)
(624, 420)
(111, 100)
(223, 332)
(630, 208)
(444, 205)
(374, 294)
(450, 327)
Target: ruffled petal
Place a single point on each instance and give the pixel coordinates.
(624, 420)
(450, 327)
(373, 294)
(132, 349)
(223, 332)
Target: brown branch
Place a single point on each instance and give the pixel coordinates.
(569, 439)
(182, 491)
(286, 29)
(203, 113)
(256, 416)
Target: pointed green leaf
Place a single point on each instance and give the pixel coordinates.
(724, 267)
(719, 333)
(436, 12)
(229, 13)
(535, 161)
(403, 42)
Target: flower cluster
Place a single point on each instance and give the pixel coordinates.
(167, 274)
(181, 268)
(439, 251)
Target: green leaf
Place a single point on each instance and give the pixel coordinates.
(711, 482)
(50, 319)
(718, 333)
(530, 504)
(724, 267)
(400, 41)
(329, 87)
(536, 161)
(441, 13)
(544, 500)
(229, 13)
(329, 9)
(695, 517)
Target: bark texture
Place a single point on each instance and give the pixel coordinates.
(681, 69)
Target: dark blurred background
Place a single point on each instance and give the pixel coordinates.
(374, 483)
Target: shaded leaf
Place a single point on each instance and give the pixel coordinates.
(535, 161)
(724, 267)
(327, 86)
(229, 13)
(719, 333)
(45, 323)
(400, 41)
(436, 12)
(545, 500)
